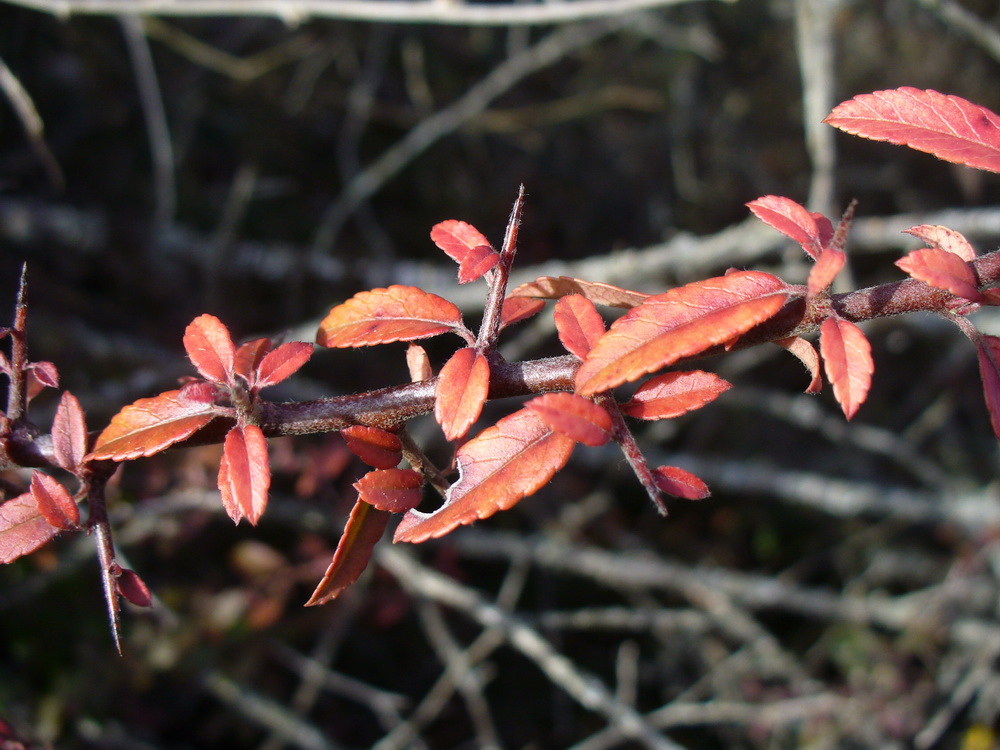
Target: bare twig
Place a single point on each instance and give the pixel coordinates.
(32, 123)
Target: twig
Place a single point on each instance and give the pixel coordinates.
(32, 123)
(960, 19)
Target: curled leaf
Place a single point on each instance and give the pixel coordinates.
(944, 238)
(574, 416)
(418, 363)
(943, 270)
(808, 356)
(794, 221)
(847, 359)
(598, 292)
(245, 473)
(578, 324)
(23, 529)
(375, 447)
(462, 388)
(675, 393)
(391, 490)
(210, 348)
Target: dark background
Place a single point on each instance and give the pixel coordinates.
(838, 590)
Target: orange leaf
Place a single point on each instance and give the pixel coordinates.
(458, 239)
(461, 391)
(476, 263)
(828, 265)
(989, 370)
(54, 502)
(363, 530)
(949, 127)
(847, 359)
(381, 316)
(23, 529)
(505, 462)
(552, 287)
(69, 433)
(793, 220)
(210, 348)
(681, 323)
(245, 473)
(578, 323)
(375, 447)
(151, 425)
(675, 393)
(680, 483)
(249, 356)
(574, 416)
(944, 238)
(807, 355)
(943, 270)
(516, 309)
(418, 363)
(282, 363)
(392, 490)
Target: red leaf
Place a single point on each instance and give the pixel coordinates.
(578, 323)
(828, 265)
(363, 530)
(989, 369)
(792, 220)
(69, 433)
(675, 393)
(375, 447)
(680, 483)
(23, 529)
(944, 238)
(505, 462)
(248, 358)
(574, 416)
(807, 355)
(210, 348)
(418, 363)
(41, 375)
(461, 391)
(133, 588)
(151, 425)
(245, 473)
(847, 359)
(943, 270)
(282, 363)
(458, 239)
(516, 309)
(477, 262)
(391, 490)
(381, 316)
(552, 287)
(54, 502)
(948, 127)
(681, 323)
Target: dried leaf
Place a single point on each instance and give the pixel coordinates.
(418, 363)
(375, 447)
(948, 127)
(363, 530)
(944, 238)
(69, 433)
(391, 490)
(245, 473)
(479, 261)
(133, 588)
(675, 393)
(462, 388)
(943, 270)
(808, 356)
(574, 416)
(457, 239)
(681, 323)
(552, 287)
(680, 483)
(54, 502)
(381, 316)
(516, 309)
(793, 220)
(282, 363)
(151, 425)
(828, 265)
(989, 369)
(210, 348)
(847, 359)
(23, 529)
(578, 324)
(505, 462)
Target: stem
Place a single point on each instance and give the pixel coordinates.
(489, 331)
(17, 396)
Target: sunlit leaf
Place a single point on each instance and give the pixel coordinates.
(943, 270)
(501, 465)
(363, 530)
(381, 316)
(245, 473)
(574, 416)
(249, 356)
(680, 483)
(675, 393)
(457, 239)
(949, 127)
(133, 588)
(69, 433)
(578, 324)
(598, 292)
(477, 263)
(151, 425)
(462, 387)
(392, 490)
(54, 502)
(847, 359)
(989, 369)
(828, 265)
(808, 356)
(681, 323)
(210, 348)
(23, 529)
(282, 363)
(375, 447)
(944, 238)
(793, 220)
(516, 309)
